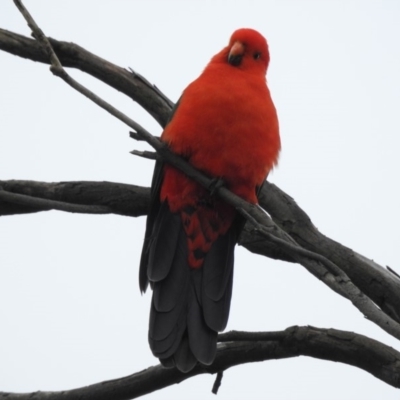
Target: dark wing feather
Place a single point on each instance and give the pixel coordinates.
(152, 216)
(163, 243)
(151, 219)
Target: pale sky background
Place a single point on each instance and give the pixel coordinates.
(70, 308)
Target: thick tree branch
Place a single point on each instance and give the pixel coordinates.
(41, 204)
(131, 200)
(379, 284)
(71, 55)
(82, 197)
(113, 198)
(245, 347)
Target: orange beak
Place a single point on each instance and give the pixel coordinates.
(236, 54)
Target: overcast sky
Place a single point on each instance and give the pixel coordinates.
(70, 308)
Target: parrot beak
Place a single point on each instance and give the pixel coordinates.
(236, 54)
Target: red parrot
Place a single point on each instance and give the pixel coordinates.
(224, 124)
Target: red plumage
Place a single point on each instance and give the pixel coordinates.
(225, 124)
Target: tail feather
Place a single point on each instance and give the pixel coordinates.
(216, 313)
(218, 278)
(202, 339)
(190, 303)
(167, 347)
(190, 306)
(169, 304)
(170, 292)
(218, 266)
(163, 323)
(184, 359)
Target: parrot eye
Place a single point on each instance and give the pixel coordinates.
(257, 55)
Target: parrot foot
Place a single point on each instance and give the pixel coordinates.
(215, 185)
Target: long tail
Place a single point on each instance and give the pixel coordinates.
(189, 306)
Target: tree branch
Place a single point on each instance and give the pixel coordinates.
(43, 204)
(238, 348)
(379, 284)
(71, 55)
(81, 197)
(129, 200)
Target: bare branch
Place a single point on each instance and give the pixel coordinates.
(375, 281)
(45, 205)
(393, 272)
(150, 155)
(151, 86)
(250, 238)
(72, 55)
(217, 382)
(20, 197)
(244, 347)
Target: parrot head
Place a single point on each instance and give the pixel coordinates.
(247, 50)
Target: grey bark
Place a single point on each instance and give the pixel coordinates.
(242, 347)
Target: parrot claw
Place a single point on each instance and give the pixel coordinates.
(215, 185)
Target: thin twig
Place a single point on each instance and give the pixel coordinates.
(241, 336)
(151, 86)
(150, 155)
(44, 204)
(393, 271)
(217, 382)
(135, 136)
